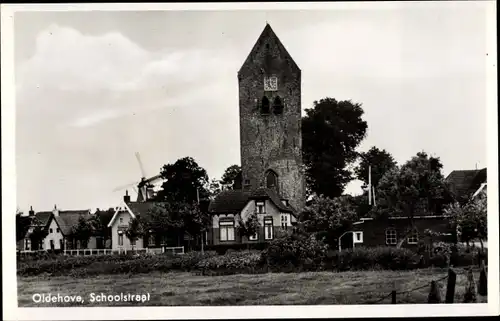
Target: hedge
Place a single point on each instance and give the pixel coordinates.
(299, 254)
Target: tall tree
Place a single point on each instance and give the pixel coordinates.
(331, 131)
(418, 187)
(470, 219)
(214, 188)
(231, 175)
(37, 234)
(328, 218)
(380, 161)
(184, 180)
(82, 231)
(134, 231)
(22, 225)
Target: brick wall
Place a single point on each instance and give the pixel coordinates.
(374, 231)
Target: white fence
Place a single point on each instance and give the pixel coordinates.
(173, 250)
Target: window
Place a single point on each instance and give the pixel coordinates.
(271, 179)
(358, 237)
(391, 237)
(247, 182)
(277, 105)
(58, 230)
(121, 220)
(51, 244)
(413, 238)
(27, 244)
(120, 238)
(61, 244)
(284, 221)
(226, 229)
(132, 242)
(268, 228)
(260, 207)
(151, 240)
(50, 231)
(264, 106)
(254, 237)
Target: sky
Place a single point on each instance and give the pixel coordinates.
(93, 88)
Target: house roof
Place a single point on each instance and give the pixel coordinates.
(43, 217)
(68, 219)
(464, 183)
(134, 209)
(233, 201)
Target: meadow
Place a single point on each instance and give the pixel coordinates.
(190, 289)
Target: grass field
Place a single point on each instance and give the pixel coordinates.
(185, 289)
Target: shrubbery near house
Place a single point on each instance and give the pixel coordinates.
(288, 253)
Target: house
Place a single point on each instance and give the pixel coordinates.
(60, 228)
(37, 221)
(465, 184)
(274, 215)
(125, 213)
(369, 232)
(57, 226)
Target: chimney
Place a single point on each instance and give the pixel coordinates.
(55, 211)
(31, 212)
(285, 202)
(126, 198)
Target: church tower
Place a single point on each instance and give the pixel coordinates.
(270, 120)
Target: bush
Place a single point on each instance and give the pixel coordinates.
(222, 249)
(295, 251)
(389, 258)
(231, 263)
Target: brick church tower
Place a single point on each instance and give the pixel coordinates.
(270, 120)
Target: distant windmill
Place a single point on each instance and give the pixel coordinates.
(144, 187)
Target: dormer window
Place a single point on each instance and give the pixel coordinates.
(264, 106)
(260, 207)
(278, 105)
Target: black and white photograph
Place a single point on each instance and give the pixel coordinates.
(267, 160)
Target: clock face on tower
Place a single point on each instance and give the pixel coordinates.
(271, 83)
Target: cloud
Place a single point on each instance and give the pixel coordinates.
(116, 71)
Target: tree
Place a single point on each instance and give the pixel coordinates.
(417, 187)
(38, 233)
(331, 131)
(22, 225)
(328, 218)
(162, 219)
(82, 231)
(184, 180)
(134, 231)
(470, 220)
(380, 161)
(214, 188)
(248, 227)
(230, 175)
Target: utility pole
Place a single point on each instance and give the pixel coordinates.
(202, 230)
(369, 185)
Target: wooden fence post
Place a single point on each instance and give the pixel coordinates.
(470, 289)
(450, 287)
(482, 288)
(393, 293)
(434, 295)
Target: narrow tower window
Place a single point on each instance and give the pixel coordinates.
(264, 107)
(271, 180)
(278, 105)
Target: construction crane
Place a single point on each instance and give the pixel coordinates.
(144, 187)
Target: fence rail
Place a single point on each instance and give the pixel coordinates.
(434, 296)
(176, 250)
